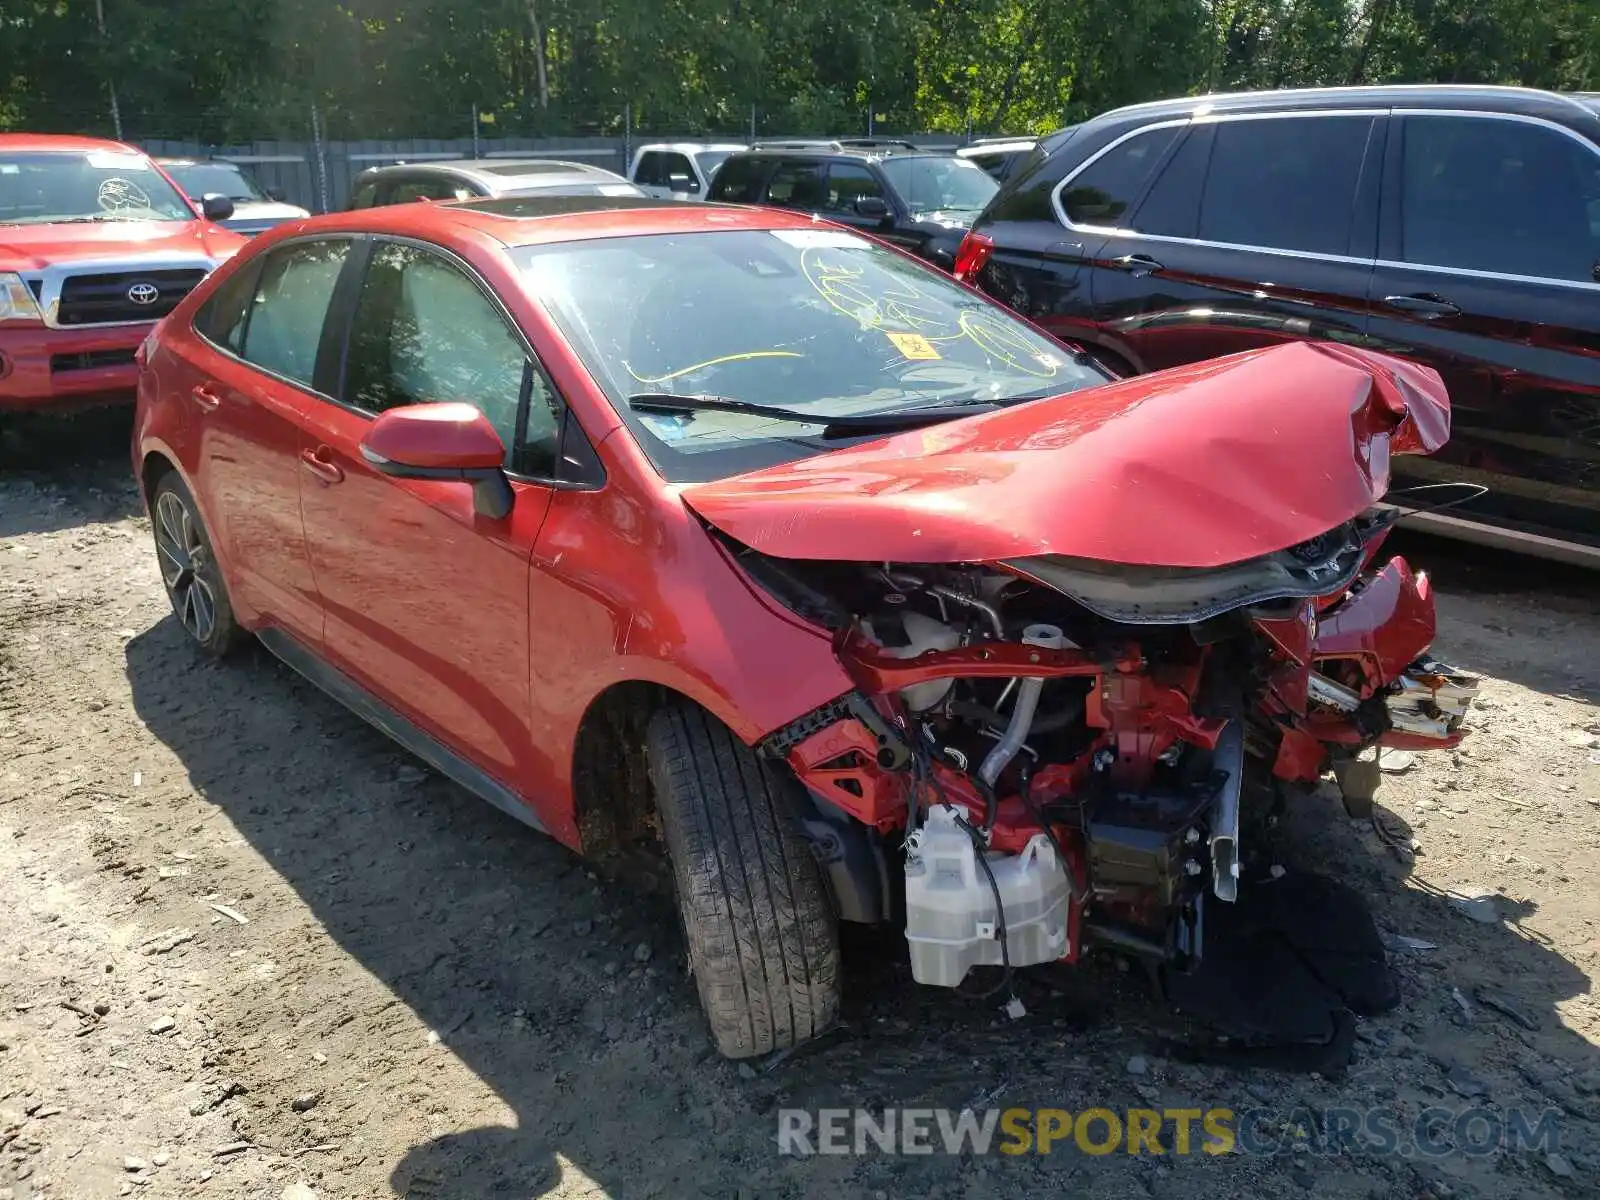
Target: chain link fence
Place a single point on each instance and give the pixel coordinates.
(309, 158)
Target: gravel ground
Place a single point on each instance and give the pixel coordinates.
(251, 949)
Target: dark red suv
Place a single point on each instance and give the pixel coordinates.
(878, 604)
(1457, 226)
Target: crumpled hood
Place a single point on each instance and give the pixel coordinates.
(1199, 466)
(34, 247)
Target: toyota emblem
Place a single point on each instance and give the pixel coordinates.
(144, 293)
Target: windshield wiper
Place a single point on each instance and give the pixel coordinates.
(905, 418)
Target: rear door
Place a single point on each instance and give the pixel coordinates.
(249, 398)
(1232, 234)
(425, 601)
(1490, 271)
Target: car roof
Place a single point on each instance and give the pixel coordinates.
(692, 147)
(997, 146)
(21, 142)
(537, 220)
(797, 150)
(498, 172)
(1484, 97)
(196, 162)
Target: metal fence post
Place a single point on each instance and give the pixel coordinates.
(319, 159)
(475, 153)
(627, 136)
(753, 138)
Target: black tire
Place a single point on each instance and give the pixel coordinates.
(762, 938)
(189, 568)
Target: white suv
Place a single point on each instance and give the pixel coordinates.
(680, 170)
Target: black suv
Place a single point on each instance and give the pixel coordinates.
(1459, 226)
(918, 199)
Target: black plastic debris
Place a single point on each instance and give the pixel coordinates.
(1285, 971)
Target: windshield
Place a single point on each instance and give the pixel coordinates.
(100, 185)
(940, 184)
(812, 320)
(202, 179)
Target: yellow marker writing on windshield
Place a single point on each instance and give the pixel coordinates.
(912, 345)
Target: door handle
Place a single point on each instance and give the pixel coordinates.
(1425, 305)
(1137, 265)
(205, 397)
(318, 464)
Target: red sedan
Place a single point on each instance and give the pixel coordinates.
(634, 516)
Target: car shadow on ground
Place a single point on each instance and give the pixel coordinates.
(79, 462)
(564, 992)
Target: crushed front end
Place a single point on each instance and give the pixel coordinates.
(1067, 752)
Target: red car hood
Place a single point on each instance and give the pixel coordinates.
(34, 247)
(1198, 466)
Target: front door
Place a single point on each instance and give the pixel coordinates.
(1488, 272)
(426, 601)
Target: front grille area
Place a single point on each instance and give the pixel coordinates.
(104, 299)
(90, 359)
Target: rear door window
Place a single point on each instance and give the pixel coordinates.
(284, 327)
(849, 182)
(1285, 183)
(1507, 197)
(738, 181)
(429, 187)
(1102, 194)
(797, 184)
(1172, 208)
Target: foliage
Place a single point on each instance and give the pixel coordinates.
(223, 70)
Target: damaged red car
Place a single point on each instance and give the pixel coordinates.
(744, 531)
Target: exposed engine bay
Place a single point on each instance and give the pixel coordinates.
(1065, 752)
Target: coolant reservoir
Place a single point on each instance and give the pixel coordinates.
(951, 923)
(923, 633)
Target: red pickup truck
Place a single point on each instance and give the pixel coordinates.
(96, 245)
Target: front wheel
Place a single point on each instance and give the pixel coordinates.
(189, 568)
(762, 938)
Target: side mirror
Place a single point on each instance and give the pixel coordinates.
(216, 207)
(682, 185)
(277, 194)
(871, 206)
(442, 441)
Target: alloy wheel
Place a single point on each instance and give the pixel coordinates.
(184, 562)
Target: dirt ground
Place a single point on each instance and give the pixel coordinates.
(248, 948)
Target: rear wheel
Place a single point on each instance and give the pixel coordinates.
(189, 568)
(762, 938)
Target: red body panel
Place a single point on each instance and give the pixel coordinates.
(497, 636)
(1196, 467)
(27, 380)
(454, 436)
